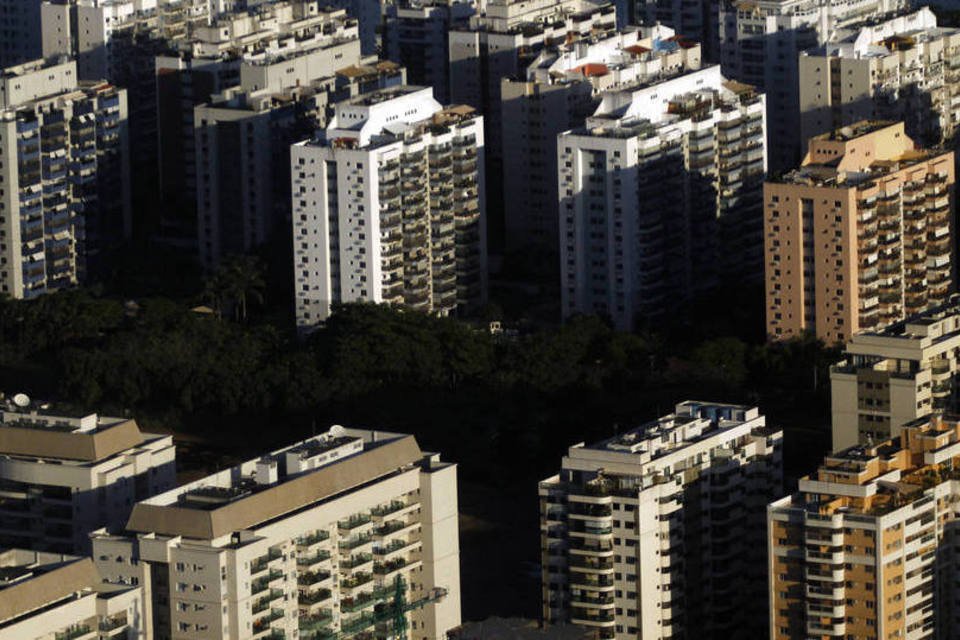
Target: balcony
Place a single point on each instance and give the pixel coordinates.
(591, 563)
(315, 558)
(365, 599)
(591, 619)
(358, 541)
(358, 623)
(353, 522)
(314, 597)
(390, 527)
(387, 509)
(393, 546)
(312, 577)
(74, 632)
(315, 623)
(356, 560)
(385, 568)
(356, 580)
(598, 600)
(261, 584)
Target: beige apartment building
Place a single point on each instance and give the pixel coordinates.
(47, 596)
(864, 549)
(859, 236)
(894, 376)
(63, 476)
(905, 68)
(348, 533)
(658, 532)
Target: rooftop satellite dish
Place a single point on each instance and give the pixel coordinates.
(22, 400)
(336, 431)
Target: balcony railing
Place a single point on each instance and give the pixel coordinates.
(313, 597)
(383, 568)
(319, 556)
(312, 577)
(356, 560)
(314, 538)
(387, 509)
(73, 632)
(390, 527)
(356, 580)
(353, 522)
(358, 541)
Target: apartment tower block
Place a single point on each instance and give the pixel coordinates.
(866, 548)
(658, 532)
(860, 236)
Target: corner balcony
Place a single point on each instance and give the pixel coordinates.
(823, 591)
(312, 539)
(820, 628)
(77, 632)
(827, 557)
(598, 619)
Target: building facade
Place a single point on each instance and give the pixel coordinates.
(499, 42)
(388, 207)
(272, 50)
(557, 91)
(344, 534)
(904, 69)
(658, 532)
(860, 236)
(64, 176)
(20, 33)
(416, 35)
(119, 40)
(64, 476)
(865, 548)
(243, 154)
(660, 196)
(894, 376)
(760, 44)
(48, 595)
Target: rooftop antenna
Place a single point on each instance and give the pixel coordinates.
(22, 400)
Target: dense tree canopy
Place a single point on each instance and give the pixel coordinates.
(518, 399)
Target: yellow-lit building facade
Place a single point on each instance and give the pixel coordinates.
(864, 549)
(859, 236)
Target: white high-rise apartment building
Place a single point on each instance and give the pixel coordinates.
(64, 476)
(388, 207)
(760, 44)
(661, 196)
(243, 198)
(557, 91)
(895, 376)
(343, 533)
(48, 595)
(64, 176)
(658, 532)
(906, 68)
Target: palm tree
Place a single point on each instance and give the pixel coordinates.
(239, 279)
